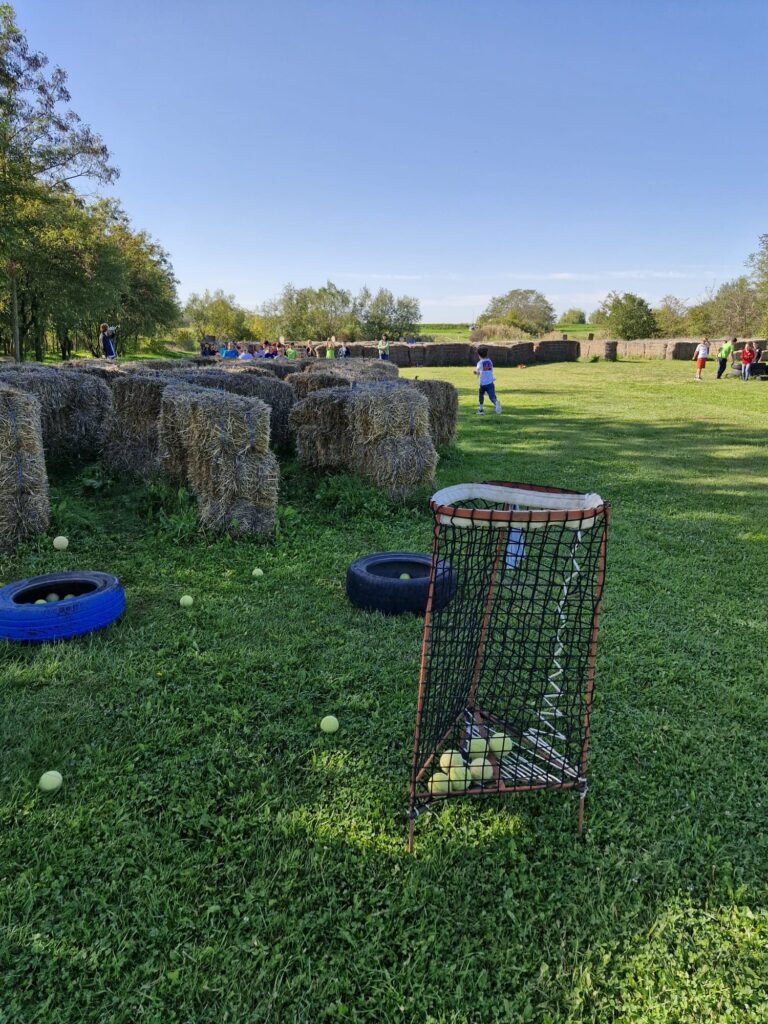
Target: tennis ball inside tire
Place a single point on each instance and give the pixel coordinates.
(405, 575)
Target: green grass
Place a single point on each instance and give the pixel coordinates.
(213, 857)
(446, 332)
(577, 332)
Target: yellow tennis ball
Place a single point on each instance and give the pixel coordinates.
(481, 769)
(501, 744)
(68, 597)
(329, 724)
(450, 759)
(60, 543)
(50, 782)
(52, 598)
(41, 601)
(439, 784)
(405, 575)
(186, 601)
(477, 747)
(257, 572)
(460, 778)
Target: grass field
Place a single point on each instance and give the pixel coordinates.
(577, 332)
(213, 857)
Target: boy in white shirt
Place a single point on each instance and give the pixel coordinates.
(484, 371)
(701, 355)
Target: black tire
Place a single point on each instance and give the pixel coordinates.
(98, 600)
(374, 584)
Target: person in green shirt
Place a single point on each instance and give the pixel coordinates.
(383, 347)
(722, 356)
(330, 348)
(290, 352)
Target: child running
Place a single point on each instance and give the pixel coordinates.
(484, 371)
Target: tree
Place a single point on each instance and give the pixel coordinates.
(736, 308)
(630, 317)
(671, 317)
(758, 265)
(217, 314)
(522, 307)
(573, 316)
(42, 142)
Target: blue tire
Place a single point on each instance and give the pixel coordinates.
(374, 584)
(98, 600)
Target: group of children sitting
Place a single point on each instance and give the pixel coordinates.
(278, 350)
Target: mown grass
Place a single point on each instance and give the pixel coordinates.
(213, 857)
(577, 332)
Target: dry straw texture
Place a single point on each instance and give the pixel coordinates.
(219, 442)
(278, 395)
(321, 425)
(157, 364)
(24, 508)
(101, 368)
(357, 369)
(397, 465)
(380, 411)
(443, 401)
(132, 437)
(74, 409)
(304, 384)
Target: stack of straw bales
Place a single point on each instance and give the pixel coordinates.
(74, 406)
(443, 401)
(157, 364)
(356, 369)
(321, 425)
(220, 443)
(391, 442)
(380, 430)
(24, 508)
(132, 438)
(101, 368)
(304, 384)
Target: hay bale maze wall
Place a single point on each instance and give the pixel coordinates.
(379, 430)
(304, 384)
(24, 506)
(443, 399)
(132, 436)
(74, 409)
(220, 443)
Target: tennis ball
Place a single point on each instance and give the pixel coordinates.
(405, 575)
(257, 572)
(477, 747)
(481, 769)
(52, 598)
(186, 601)
(501, 744)
(60, 543)
(41, 601)
(460, 778)
(50, 782)
(439, 784)
(451, 759)
(329, 724)
(68, 597)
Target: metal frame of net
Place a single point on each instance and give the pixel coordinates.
(508, 655)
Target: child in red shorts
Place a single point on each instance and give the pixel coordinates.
(700, 355)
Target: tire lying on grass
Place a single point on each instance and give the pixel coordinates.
(87, 601)
(374, 583)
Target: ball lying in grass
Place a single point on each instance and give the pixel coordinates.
(481, 769)
(329, 724)
(60, 543)
(461, 779)
(186, 601)
(50, 782)
(439, 784)
(477, 747)
(257, 573)
(405, 575)
(451, 759)
(501, 744)
(52, 598)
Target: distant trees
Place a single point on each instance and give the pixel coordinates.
(321, 312)
(573, 316)
(65, 263)
(671, 317)
(522, 308)
(628, 316)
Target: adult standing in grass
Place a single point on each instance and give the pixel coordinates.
(701, 355)
(723, 354)
(747, 358)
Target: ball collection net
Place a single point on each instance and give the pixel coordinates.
(507, 662)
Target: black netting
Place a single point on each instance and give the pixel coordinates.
(508, 646)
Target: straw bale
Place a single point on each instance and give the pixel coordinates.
(132, 445)
(283, 370)
(219, 440)
(359, 369)
(327, 409)
(387, 410)
(304, 384)
(278, 395)
(443, 401)
(322, 449)
(101, 368)
(397, 465)
(24, 507)
(75, 409)
(263, 367)
(157, 364)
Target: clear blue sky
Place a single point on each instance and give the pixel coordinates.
(449, 150)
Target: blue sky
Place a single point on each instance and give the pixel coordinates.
(448, 150)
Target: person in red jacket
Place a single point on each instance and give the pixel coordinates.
(747, 358)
